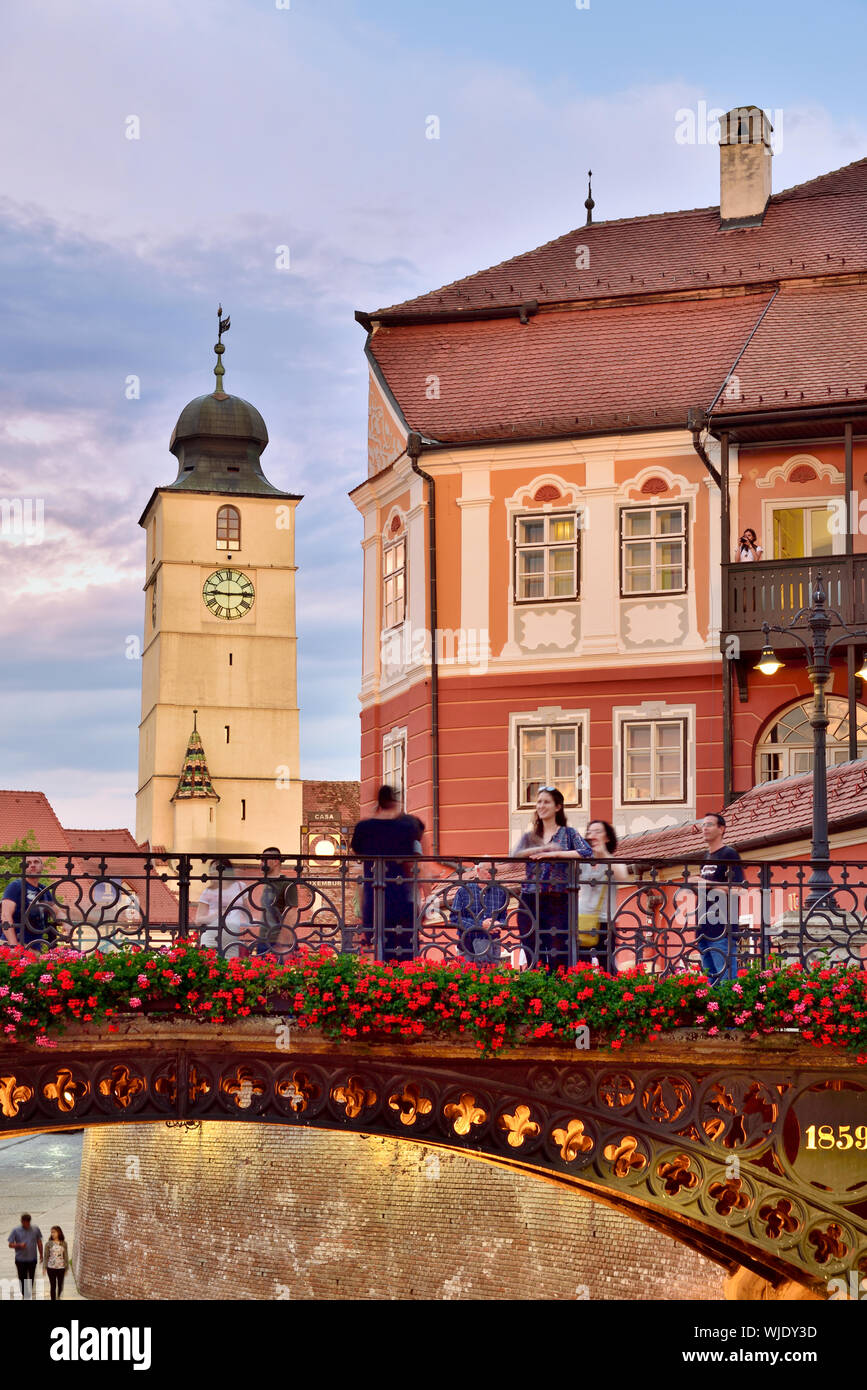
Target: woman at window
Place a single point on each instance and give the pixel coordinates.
(748, 546)
(545, 890)
(597, 898)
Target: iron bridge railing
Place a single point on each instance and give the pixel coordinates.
(617, 914)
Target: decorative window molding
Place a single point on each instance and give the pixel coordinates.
(525, 498)
(654, 748)
(633, 489)
(549, 747)
(547, 557)
(783, 471)
(654, 550)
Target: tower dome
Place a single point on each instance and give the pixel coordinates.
(219, 438)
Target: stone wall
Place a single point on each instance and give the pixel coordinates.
(255, 1211)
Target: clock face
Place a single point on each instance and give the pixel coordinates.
(228, 594)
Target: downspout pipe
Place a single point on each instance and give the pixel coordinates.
(413, 449)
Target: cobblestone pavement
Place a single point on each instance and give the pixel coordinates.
(39, 1174)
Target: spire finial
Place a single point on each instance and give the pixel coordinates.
(195, 712)
(223, 326)
(588, 201)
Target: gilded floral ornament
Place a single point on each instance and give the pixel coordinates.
(518, 1126)
(625, 1156)
(465, 1113)
(572, 1141)
(66, 1091)
(242, 1085)
(12, 1096)
(122, 1086)
(354, 1096)
(299, 1090)
(410, 1103)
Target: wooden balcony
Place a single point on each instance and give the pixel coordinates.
(773, 591)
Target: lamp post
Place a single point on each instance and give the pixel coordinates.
(819, 620)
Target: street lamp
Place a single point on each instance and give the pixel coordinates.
(818, 649)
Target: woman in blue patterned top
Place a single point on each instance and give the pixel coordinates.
(551, 841)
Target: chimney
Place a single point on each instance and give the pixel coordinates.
(744, 166)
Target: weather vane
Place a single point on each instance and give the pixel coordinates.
(223, 326)
(588, 201)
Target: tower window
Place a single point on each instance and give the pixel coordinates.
(243, 809)
(230, 658)
(228, 528)
(227, 733)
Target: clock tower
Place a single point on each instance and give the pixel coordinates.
(218, 739)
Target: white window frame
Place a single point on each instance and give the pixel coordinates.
(547, 716)
(838, 542)
(389, 620)
(546, 545)
(653, 540)
(654, 724)
(394, 756)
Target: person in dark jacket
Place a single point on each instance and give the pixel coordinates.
(391, 835)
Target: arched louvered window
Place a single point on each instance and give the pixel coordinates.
(786, 748)
(228, 528)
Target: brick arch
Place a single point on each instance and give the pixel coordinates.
(703, 1152)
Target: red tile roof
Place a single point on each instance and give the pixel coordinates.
(771, 813)
(809, 349)
(577, 371)
(810, 229)
(592, 360)
(23, 811)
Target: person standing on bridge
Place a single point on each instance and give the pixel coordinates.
(546, 888)
(38, 923)
(389, 834)
(26, 1241)
(718, 905)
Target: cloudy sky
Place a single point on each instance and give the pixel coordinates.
(262, 126)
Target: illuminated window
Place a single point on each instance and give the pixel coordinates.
(228, 528)
(654, 760)
(394, 583)
(546, 556)
(653, 550)
(549, 755)
(787, 747)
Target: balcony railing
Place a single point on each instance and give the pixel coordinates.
(772, 591)
(656, 917)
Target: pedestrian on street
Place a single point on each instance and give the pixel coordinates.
(545, 891)
(55, 1261)
(26, 1241)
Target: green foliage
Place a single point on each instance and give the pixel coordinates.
(10, 859)
(492, 1007)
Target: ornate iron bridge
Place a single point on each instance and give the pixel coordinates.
(750, 1154)
(621, 914)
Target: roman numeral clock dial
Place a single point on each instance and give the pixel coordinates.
(228, 594)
